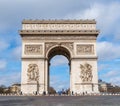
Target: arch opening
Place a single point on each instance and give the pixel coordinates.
(59, 69)
(59, 51)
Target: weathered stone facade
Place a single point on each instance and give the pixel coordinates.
(43, 39)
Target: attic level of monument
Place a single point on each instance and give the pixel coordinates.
(61, 27)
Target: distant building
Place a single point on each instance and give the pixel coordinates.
(102, 86)
(15, 88)
(105, 87)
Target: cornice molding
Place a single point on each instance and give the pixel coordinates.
(59, 21)
(60, 32)
(85, 58)
(31, 58)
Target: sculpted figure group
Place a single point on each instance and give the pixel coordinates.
(86, 72)
(33, 72)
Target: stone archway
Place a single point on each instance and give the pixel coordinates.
(75, 39)
(58, 50)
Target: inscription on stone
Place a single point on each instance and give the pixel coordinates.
(85, 49)
(33, 49)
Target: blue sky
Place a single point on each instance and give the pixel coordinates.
(106, 13)
(59, 72)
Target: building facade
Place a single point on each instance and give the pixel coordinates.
(15, 88)
(43, 39)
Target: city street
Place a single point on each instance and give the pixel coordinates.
(59, 100)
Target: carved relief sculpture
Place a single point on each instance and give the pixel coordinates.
(86, 72)
(33, 72)
(58, 26)
(33, 49)
(48, 45)
(85, 49)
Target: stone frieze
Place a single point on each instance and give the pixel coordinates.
(85, 49)
(33, 49)
(69, 45)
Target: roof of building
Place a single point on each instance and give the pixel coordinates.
(16, 85)
(37, 21)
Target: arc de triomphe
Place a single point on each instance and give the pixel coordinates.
(43, 39)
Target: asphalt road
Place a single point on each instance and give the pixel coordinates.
(59, 100)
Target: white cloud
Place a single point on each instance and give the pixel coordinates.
(107, 50)
(10, 79)
(107, 16)
(3, 64)
(112, 77)
(115, 80)
(102, 67)
(58, 83)
(117, 34)
(59, 60)
(3, 45)
(35, 9)
(111, 74)
(17, 52)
